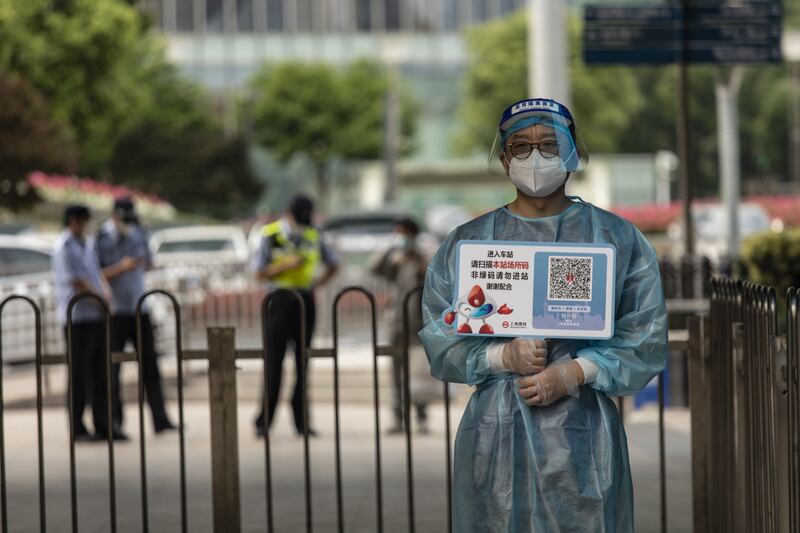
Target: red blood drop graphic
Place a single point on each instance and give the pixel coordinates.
(449, 318)
(570, 277)
(486, 329)
(476, 297)
(505, 310)
(464, 328)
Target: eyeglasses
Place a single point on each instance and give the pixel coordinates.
(523, 149)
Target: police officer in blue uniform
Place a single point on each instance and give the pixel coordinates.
(290, 256)
(125, 256)
(77, 271)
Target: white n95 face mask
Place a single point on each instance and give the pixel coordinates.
(537, 176)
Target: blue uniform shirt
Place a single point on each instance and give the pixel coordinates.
(74, 260)
(112, 246)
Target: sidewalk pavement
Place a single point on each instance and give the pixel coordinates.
(358, 459)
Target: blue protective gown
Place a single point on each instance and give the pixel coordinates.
(563, 467)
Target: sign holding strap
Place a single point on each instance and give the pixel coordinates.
(534, 289)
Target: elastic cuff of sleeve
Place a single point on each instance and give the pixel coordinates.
(494, 354)
(589, 369)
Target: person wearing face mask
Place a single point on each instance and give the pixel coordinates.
(291, 255)
(403, 265)
(124, 256)
(540, 446)
(76, 271)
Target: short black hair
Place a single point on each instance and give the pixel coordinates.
(301, 207)
(76, 211)
(124, 209)
(408, 224)
(301, 202)
(123, 203)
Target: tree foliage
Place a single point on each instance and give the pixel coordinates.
(79, 55)
(317, 111)
(29, 140)
(497, 74)
(135, 119)
(216, 179)
(628, 109)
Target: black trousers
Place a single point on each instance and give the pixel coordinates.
(397, 383)
(88, 376)
(283, 325)
(123, 329)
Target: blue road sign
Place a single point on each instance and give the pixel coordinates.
(711, 33)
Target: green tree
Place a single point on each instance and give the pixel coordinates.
(136, 120)
(603, 97)
(630, 109)
(324, 114)
(196, 168)
(78, 54)
(29, 140)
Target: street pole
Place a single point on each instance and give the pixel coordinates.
(727, 93)
(794, 148)
(548, 67)
(684, 177)
(392, 133)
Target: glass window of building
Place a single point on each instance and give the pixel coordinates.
(274, 15)
(214, 16)
(363, 15)
(244, 15)
(184, 15)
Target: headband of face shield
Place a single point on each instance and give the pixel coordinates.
(560, 142)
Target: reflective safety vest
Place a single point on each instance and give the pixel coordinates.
(301, 277)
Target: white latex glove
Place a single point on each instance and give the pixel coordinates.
(559, 379)
(520, 356)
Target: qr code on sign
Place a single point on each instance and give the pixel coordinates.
(569, 278)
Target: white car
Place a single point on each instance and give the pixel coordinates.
(711, 228)
(199, 245)
(357, 237)
(22, 255)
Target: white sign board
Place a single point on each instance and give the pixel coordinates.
(530, 289)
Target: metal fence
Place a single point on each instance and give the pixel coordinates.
(212, 295)
(745, 406)
(687, 278)
(222, 355)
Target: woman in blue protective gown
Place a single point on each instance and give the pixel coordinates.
(540, 447)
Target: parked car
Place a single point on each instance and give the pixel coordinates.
(357, 236)
(199, 245)
(711, 228)
(20, 255)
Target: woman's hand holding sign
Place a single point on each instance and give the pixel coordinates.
(520, 356)
(559, 379)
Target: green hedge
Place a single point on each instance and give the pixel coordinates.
(773, 259)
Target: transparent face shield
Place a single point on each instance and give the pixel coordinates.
(538, 141)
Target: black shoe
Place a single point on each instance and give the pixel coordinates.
(117, 435)
(83, 436)
(311, 432)
(260, 432)
(164, 425)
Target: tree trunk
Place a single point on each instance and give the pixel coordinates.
(322, 186)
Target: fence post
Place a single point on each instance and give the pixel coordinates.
(224, 438)
(780, 388)
(740, 424)
(699, 404)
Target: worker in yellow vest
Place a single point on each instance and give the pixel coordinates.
(291, 255)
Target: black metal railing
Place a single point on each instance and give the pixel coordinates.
(745, 407)
(222, 355)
